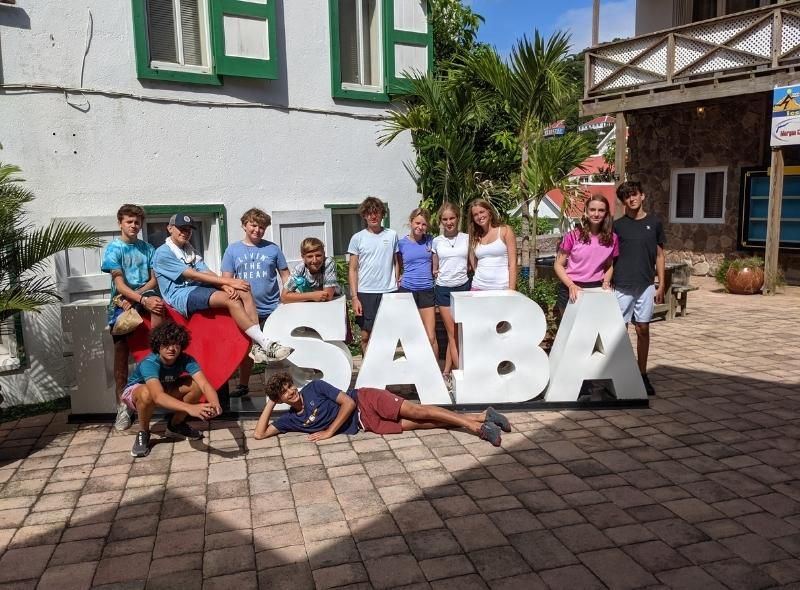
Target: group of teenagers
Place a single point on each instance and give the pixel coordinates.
(255, 279)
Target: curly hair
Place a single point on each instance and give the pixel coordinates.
(606, 226)
(277, 384)
(169, 333)
(372, 204)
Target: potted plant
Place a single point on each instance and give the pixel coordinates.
(742, 276)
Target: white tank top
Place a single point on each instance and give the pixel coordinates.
(492, 265)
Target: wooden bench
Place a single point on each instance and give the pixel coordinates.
(678, 300)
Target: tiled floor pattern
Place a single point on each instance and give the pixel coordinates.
(700, 491)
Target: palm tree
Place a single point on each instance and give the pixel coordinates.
(534, 84)
(443, 116)
(25, 282)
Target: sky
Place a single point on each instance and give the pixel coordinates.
(507, 20)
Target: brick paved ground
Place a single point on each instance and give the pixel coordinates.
(700, 491)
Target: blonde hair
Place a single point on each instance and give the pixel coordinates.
(476, 231)
(420, 211)
(309, 245)
(257, 216)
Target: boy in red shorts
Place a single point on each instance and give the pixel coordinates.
(322, 411)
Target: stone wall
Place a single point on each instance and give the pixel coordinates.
(728, 132)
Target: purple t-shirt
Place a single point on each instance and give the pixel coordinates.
(417, 263)
(586, 263)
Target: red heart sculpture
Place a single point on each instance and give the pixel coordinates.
(217, 342)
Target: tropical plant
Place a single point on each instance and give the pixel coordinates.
(26, 284)
(534, 84)
(443, 117)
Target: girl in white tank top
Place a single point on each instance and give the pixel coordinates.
(494, 261)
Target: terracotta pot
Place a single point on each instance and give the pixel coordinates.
(746, 281)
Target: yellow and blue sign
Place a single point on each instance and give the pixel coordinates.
(785, 116)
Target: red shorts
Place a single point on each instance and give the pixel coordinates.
(379, 410)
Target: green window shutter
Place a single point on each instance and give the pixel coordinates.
(408, 42)
(245, 40)
(142, 31)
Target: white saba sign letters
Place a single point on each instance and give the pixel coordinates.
(500, 357)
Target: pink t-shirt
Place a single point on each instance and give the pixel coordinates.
(586, 262)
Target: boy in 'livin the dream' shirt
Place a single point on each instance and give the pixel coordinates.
(259, 262)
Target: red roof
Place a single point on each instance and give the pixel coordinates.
(600, 120)
(608, 190)
(591, 165)
(557, 125)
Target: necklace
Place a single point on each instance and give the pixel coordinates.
(453, 243)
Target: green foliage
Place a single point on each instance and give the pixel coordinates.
(455, 31)
(544, 292)
(26, 283)
(16, 412)
(341, 275)
(722, 272)
(544, 225)
(739, 264)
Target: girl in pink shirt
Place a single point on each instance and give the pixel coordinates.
(586, 254)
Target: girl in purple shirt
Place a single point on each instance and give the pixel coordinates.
(586, 254)
(415, 255)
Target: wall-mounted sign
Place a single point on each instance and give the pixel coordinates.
(785, 116)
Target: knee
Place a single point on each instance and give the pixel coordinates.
(144, 399)
(643, 330)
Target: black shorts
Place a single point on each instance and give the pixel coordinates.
(563, 292)
(423, 299)
(443, 293)
(370, 302)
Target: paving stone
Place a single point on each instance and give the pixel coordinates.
(393, 570)
(330, 552)
(331, 577)
(297, 576)
(74, 576)
(690, 578)
(415, 516)
(739, 575)
(541, 549)
(228, 561)
(126, 568)
(572, 576)
(498, 562)
(449, 566)
(475, 532)
(432, 543)
(754, 549)
(616, 569)
(656, 556)
(24, 562)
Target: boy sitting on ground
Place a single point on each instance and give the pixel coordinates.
(159, 381)
(129, 260)
(188, 285)
(314, 279)
(259, 262)
(323, 411)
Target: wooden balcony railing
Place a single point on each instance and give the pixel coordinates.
(754, 43)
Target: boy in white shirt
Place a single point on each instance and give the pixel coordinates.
(373, 266)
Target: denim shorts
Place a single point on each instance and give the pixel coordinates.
(443, 293)
(198, 299)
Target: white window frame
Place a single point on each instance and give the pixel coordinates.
(699, 194)
(205, 40)
(9, 352)
(212, 254)
(379, 87)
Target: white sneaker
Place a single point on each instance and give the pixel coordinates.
(273, 353)
(123, 420)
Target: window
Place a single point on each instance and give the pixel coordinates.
(9, 355)
(345, 221)
(698, 195)
(199, 40)
(376, 45)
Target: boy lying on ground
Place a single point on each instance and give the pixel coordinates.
(323, 411)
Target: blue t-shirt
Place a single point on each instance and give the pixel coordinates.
(174, 287)
(375, 260)
(259, 266)
(151, 367)
(417, 263)
(134, 261)
(319, 411)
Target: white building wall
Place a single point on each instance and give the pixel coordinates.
(276, 144)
